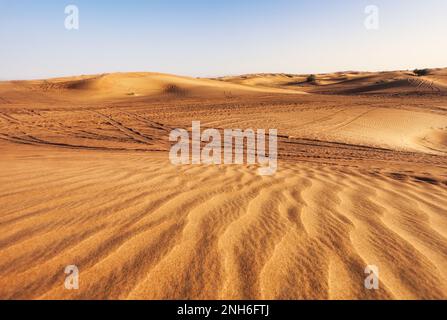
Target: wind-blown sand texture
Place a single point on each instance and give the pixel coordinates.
(85, 179)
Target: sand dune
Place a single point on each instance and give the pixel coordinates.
(353, 83)
(362, 180)
(108, 88)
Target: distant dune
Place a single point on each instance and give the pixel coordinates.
(121, 86)
(85, 180)
(393, 82)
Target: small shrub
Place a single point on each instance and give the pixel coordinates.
(311, 78)
(421, 72)
(174, 90)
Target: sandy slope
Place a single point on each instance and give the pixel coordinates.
(352, 83)
(85, 180)
(107, 88)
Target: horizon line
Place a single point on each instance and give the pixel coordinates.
(216, 77)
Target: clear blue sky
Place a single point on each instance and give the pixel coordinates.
(211, 38)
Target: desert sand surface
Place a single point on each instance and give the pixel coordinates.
(85, 180)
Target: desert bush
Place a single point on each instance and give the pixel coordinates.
(421, 72)
(173, 89)
(311, 78)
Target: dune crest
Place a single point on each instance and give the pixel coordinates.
(353, 83)
(119, 87)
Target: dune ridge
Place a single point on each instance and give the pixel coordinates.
(352, 82)
(138, 86)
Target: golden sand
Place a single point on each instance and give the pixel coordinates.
(85, 180)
